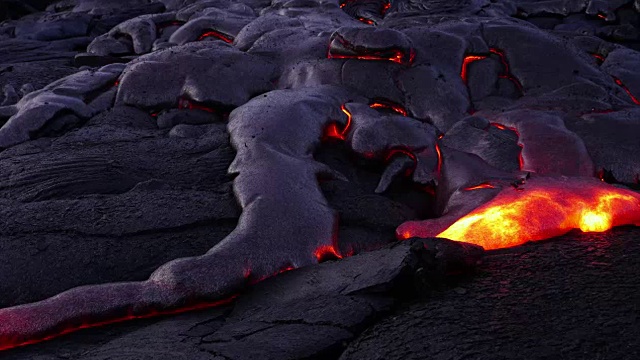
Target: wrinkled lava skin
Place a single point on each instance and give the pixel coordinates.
(511, 125)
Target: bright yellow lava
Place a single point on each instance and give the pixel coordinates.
(545, 211)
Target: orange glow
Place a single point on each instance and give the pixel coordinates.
(545, 209)
(390, 106)
(332, 131)
(602, 16)
(327, 252)
(366, 21)
(465, 64)
(439, 168)
(394, 55)
(502, 127)
(520, 157)
(217, 35)
(7, 344)
(480, 186)
(633, 98)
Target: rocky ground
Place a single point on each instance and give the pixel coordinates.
(575, 297)
(104, 178)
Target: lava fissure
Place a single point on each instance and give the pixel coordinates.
(8, 343)
(506, 70)
(388, 105)
(468, 60)
(217, 35)
(626, 89)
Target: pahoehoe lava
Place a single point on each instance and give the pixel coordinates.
(513, 120)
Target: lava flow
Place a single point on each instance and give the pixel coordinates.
(546, 208)
(8, 343)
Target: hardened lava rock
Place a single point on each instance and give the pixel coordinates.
(435, 111)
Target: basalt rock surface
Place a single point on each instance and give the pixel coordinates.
(157, 155)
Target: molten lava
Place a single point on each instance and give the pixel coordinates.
(468, 60)
(546, 208)
(396, 56)
(326, 253)
(388, 105)
(333, 130)
(633, 98)
(366, 21)
(480, 186)
(506, 70)
(340, 48)
(217, 35)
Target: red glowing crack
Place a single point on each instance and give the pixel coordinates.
(506, 70)
(598, 57)
(347, 50)
(468, 60)
(626, 89)
(520, 157)
(388, 105)
(7, 344)
(480, 186)
(216, 34)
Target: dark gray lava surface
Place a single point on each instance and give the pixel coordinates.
(160, 153)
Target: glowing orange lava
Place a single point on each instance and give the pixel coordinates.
(480, 186)
(333, 130)
(366, 21)
(439, 168)
(465, 64)
(546, 209)
(389, 106)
